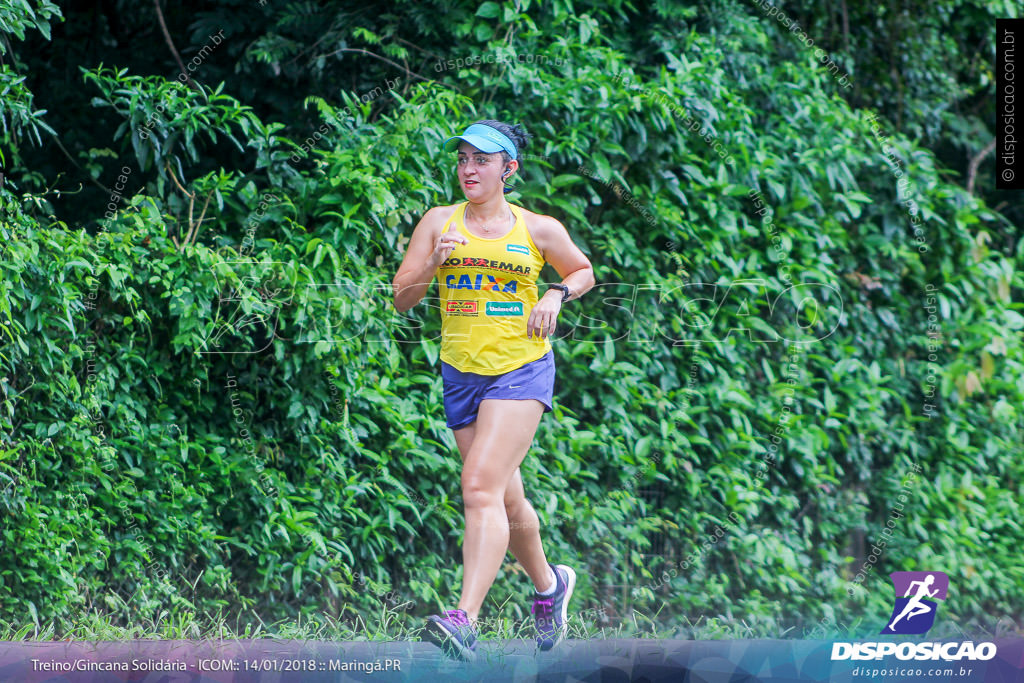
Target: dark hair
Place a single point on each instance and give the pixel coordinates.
(519, 137)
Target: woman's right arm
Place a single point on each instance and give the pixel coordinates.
(426, 252)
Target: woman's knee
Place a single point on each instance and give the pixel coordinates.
(521, 509)
(512, 500)
(476, 493)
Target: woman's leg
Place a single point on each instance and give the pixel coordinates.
(504, 431)
(524, 525)
(524, 535)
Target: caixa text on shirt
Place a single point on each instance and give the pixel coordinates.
(486, 282)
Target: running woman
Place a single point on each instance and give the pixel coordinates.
(914, 606)
(497, 366)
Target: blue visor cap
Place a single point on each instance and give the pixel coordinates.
(486, 139)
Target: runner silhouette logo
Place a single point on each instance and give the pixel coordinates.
(915, 606)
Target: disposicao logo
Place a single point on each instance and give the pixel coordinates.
(913, 613)
(517, 247)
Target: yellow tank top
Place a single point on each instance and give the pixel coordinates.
(488, 288)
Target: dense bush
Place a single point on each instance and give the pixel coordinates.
(210, 402)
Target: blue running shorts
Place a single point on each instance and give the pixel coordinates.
(463, 391)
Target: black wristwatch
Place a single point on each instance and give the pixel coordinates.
(564, 288)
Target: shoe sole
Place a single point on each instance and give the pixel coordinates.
(449, 644)
(570, 584)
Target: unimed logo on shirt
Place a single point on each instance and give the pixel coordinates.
(504, 308)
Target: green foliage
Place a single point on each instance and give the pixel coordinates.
(18, 118)
(16, 17)
(210, 403)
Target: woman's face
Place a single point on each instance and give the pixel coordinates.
(480, 173)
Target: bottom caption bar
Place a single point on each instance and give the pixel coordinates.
(245, 661)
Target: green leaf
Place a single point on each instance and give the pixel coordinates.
(488, 10)
(483, 33)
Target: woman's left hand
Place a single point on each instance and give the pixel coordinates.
(544, 315)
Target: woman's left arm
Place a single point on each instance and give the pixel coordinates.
(572, 265)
